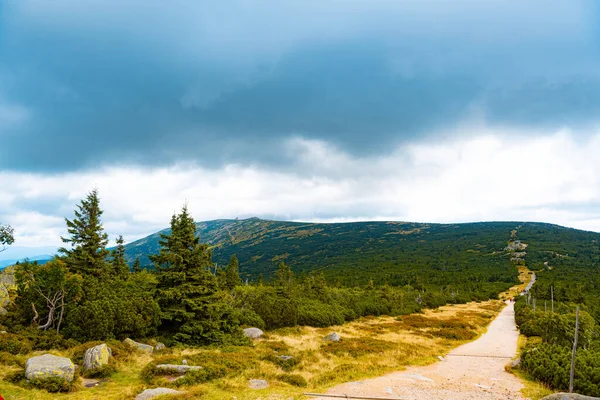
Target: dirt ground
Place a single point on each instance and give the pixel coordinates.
(470, 372)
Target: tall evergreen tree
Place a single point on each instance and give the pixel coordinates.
(119, 264)
(232, 273)
(192, 309)
(137, 265)
(88, 240)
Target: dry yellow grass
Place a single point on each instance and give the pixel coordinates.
(524, 277)
(369, 347)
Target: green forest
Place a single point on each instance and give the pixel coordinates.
(567, 265)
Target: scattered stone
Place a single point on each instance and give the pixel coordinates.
(90, 383)
(96, 357)
(159, 346)
(285, 358)
(184, 362)
(569, 396)
(151, 393)
(146, 348)
(515, 363)
(332, 337)
(49, 366)
(253, 333)
(180, 369)
(258, 384)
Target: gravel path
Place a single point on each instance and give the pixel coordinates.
(472, 371)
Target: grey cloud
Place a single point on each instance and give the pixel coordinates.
(110, 83)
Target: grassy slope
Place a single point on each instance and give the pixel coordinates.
(370, 347)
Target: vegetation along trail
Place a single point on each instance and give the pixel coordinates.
(472, 371)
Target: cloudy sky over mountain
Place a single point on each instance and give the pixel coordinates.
(422, 110)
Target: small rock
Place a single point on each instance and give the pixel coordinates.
(184, 362)
(253, 333)
(49, 366)
(332, 337)
(285, 358)
(96, 357)
(150, 393)
(515, 363)
(146, 348)
(569, 396)
(180, 369)
(258, 384)
(159, 346)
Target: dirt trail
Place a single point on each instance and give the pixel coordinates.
(469, 372)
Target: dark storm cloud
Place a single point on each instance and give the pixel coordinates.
(85, 84)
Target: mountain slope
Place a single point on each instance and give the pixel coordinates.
(397, 253)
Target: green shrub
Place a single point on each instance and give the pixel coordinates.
(103, 371)
(14, 344)
(209, 372)
(293, 379)
(52, 385)
(287, 364)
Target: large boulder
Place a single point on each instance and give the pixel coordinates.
(569, 396)
(150, 393)
(253, 333)
(96, 357)
(332, 337)
(49, 366)
(146, 348)
(180, 369)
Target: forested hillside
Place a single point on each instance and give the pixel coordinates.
(567, 265)
(394, 253)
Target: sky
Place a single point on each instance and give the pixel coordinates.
(311, 110)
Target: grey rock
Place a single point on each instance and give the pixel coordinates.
(96, 357)
(258, 384)
(516, 363)
(285, 358)
(146, 348)
(253, 333)
(569, 396)
(4, 297)
(150, 393)
(180, 369)
(49, 366)
(332, 337)
(159, 346)
(184, 362)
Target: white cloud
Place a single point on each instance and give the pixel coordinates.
(492, 176)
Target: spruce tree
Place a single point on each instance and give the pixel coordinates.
(88, 240)
(137, 265)
(119, 264)
(232, 273)
(193, 312)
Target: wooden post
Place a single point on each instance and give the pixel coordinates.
(552, 296)
(574, 351)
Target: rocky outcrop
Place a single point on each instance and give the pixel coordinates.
(258, 384)
(49, 366)
(180, 369)
(146, 348)
(332, 337)
(569, 396)
(151, 393)
(253, 333)
(96, 357)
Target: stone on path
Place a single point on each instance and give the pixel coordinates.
(258, 384)
(150, 393)
(49, 366)
(146, 348)
(253, 333)
(96, 357)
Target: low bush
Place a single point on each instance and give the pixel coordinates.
(293, 379)
(15, 344)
